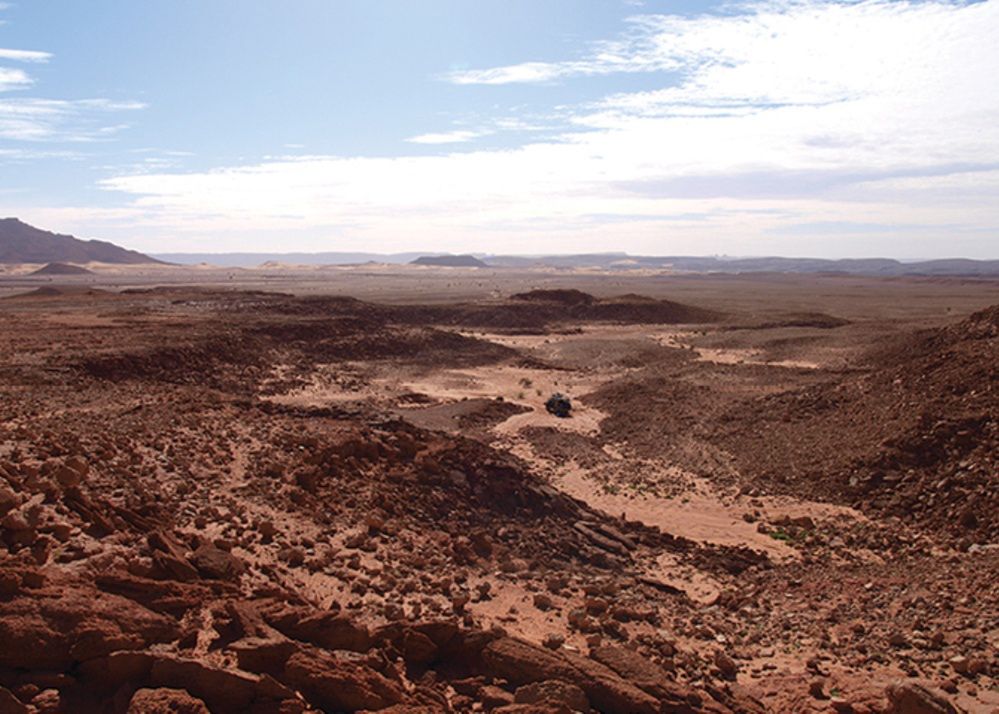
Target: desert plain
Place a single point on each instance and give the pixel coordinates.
(297, 490)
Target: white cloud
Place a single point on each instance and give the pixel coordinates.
(458, 136)
(525, 72)
(781, 114)
(13, 79)
(24, 55)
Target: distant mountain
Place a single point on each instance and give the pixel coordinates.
(720, 264)
(21, 243)
(615, 261)
(61, 269)
(450, 261)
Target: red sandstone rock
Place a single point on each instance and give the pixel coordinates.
(338, 685)
(57, 627)
(165, 701)
(523, 663)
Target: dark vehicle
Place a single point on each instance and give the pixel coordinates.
(559, 405)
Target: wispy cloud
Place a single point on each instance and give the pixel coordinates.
(161, 152)
(477, 126)
(11, 78)
(40, 119)
(24, 55)
(28, 119)
(109, 105)
(645, 47)
(23, 155)
(458, 136)
(518, 73)
(766, 53)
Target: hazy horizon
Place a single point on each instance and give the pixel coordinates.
(538, 256)
(807, 128)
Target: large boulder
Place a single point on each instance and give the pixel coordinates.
(165, 701)
(56, 628)
(263, 654)
(212, 562)
(914, 698)
(553, 691)
(334, 684)
(416, 647)
(649, 677)
(323, 629)
(224, 690)
(522, 663)
(165, 596)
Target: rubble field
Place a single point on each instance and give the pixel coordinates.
(251, 501)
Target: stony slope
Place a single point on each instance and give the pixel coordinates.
(915, 435)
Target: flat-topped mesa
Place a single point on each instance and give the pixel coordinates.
(450, 261)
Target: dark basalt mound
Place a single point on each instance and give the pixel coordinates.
(814, 320)
(562, 297)
(52, 291)
(62, 269)
(237, 355)
(542, 309)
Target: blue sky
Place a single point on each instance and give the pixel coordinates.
(791, 127)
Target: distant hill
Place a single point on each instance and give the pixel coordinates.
(612, 261)
(450, 261)
(724, 264)
(61, 269)
(271, 260)
(21, 243)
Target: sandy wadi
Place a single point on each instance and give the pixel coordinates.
(249, 501)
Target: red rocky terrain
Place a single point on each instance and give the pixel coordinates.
(252, 502)
(915, 434)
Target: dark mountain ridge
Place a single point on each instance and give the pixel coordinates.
(22, 243)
